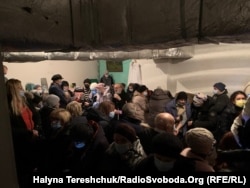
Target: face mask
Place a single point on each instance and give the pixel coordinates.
(163, 166)
(122, 148)
(86, 86)
(94, 92)
(215, 91)
(240, 103)
(112, 114)
(79, 145)
(56, 125)
(197, 104)
(21, 92)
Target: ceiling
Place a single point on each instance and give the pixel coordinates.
(120, 25)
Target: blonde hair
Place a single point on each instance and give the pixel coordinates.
(17, 102)
(61, 114)
(75, 108)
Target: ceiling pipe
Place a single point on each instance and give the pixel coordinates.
(174, 53)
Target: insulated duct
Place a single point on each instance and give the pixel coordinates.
(175, 53)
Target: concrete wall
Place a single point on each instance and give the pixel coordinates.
(72, 71)
(228, 63)
(211, 63)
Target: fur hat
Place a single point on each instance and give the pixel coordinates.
(52, 100)
(127, 131)
(200, 140)
(246, 108)
(167, 144)
(181, 95)
(220, 86)
(199, 99)
(56, 77)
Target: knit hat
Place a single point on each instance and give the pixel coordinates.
(200, 140)
(127, 131)
(246, 108)
(52, 100)
(220, 86)
(56, 77)
(199, 99)
(181, 95)
(167, 144)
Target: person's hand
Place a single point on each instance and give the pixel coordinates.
(35, 133)
(116, 96)
(190, 123)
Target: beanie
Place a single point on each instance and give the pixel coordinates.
(200, 140)
(181, 95)
(246, 108)
(220, 86)
(199, 99)
(167, 144)
(127, 131)
(52, 100)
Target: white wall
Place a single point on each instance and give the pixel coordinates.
(227, 63)
(72, 71)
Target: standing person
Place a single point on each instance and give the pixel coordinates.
(233, 109)
(85, 98)
(24, 132)
(141, 101)
(5, 71)
(125, 152)
(166, 149)
(55, 88)
(220, 101)
(130, 90)
(157, 102)
(119, 99)
(180, 108)
(68, 93)
(107, 79)
(200, 152)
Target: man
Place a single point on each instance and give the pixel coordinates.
(55, 88)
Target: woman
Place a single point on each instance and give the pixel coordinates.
(23, 121)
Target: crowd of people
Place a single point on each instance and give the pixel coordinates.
(109, 127)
